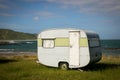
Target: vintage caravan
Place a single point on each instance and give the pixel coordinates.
(68, 48)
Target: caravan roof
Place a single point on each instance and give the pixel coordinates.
(53, 33)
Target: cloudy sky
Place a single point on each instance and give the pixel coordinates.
(32, 16)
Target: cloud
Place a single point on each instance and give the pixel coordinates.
(2, 6)
(7, 26)
(13, 26)
(6, 14)
(36, 18)
(46, 14)
(43, 14)
(32, 0)
(87, 6)
(23, 28)
(7, 7)
(39, 15)
(92, 6)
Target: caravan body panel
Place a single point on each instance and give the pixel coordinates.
(66, 45)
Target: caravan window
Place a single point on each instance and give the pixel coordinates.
(48, 43)
(94, 42)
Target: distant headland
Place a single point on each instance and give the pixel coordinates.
(9, 36)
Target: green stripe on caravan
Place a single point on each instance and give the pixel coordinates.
(64, 42)
(39, 42)
(83, 42)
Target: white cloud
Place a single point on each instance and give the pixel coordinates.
(87, 6)
(13, 26)
(6, 14)
(32, 0)
(2, 6)
(39, 15)
(36, 18)
(46, 14)
(8, 26)
(92, 6)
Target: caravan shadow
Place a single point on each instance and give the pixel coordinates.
(2, 61)
(100, 66)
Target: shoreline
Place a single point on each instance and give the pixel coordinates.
(35, 53)
(18, 53)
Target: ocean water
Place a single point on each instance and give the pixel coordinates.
(109, 47)
(20, 46)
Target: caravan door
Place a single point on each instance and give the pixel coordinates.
(74, 47)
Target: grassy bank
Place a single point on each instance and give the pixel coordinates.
(24, 67)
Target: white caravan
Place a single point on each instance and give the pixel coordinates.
(68, 48)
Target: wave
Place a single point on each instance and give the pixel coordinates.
(7, 50)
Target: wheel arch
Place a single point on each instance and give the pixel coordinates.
(62, 62)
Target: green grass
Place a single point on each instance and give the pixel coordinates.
(26, 68)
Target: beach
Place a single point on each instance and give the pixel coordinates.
(29, 54)
(15, 55)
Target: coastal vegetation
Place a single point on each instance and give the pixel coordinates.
(7, 34)
(24, 67)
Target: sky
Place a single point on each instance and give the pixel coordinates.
(33, 16)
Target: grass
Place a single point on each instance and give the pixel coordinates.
(24, 67)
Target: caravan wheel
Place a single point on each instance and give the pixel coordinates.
(64, 66)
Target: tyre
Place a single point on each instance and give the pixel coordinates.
(63, 66)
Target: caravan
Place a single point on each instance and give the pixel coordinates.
(68, 48)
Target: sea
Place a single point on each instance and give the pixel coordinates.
(109, 47)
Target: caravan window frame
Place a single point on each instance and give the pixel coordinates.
(44, 41)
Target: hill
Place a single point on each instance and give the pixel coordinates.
(7, 34)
